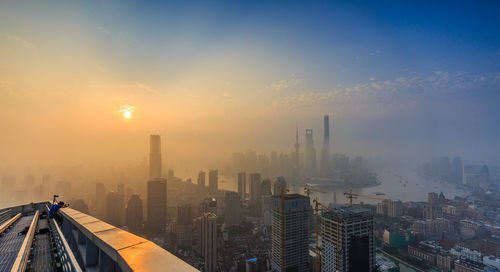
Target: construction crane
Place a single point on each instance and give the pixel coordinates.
(308, 189)
(352, 195)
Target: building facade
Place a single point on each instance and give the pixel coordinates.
(347, 238)
(290, 233)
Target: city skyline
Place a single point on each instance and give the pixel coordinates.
(260, 136)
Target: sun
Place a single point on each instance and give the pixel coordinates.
(127, 114)
(126, 111)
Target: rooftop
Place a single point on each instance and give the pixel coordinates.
(30, 240)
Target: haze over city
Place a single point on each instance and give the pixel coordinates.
(248, 136)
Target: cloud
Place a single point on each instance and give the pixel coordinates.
(147, 88)
(281, 85)
(22, 42)
(389, 93)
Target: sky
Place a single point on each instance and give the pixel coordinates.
(399, 80)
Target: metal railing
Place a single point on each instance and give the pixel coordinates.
(9, 222)
(23, 254)
(64, 253)
(4, 215)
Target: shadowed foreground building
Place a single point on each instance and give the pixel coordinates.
(290, 233)
(209, 241)
(134, 214)
(347, 239)
(157, 205)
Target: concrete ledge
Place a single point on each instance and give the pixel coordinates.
(130, 252)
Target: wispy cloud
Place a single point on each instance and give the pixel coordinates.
(390, 92)
(281, 85)
(147, 88)
(22, 42)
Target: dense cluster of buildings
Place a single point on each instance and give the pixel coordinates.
(263, 227)
(459, 234)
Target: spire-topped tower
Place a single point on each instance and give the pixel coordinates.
(325, 151)
(296, 157)
(297, 146)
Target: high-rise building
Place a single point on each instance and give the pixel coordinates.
(457, 170)
(274, 165)
(232, 208)
(115, 209)
(100, 198)
(213, 181)
(263, 164)
(255, 187)
(201, 179)
(296, 158)
(184, 229)
(157, 205)
(242, 185)
(347, 239)
(46, 187)
(265, 187)
(209, 241)
(310, 155)
(208, 205)
(325, 151)
(154, 156)
(134, 214)
(278, 184)
(290, 233)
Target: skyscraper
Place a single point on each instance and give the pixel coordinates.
(278, 184)
(154, 156)
(100, 198)
(457, 170)
(265, 187)
(134, 215)
(201, 179)
(213, 180)
(209, 243)
(115, 209)
(310, 155)
(232, 208)
(157, 205)
(290, 233)
(184, 228)
(325, 151)
(347, 238)
(208, 205)
(255, 187)
(296, 158)
(242, 185)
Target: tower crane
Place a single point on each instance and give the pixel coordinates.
(308, 189)
(352, 195)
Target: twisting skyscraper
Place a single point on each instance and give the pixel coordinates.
(325, 151)
(154, 157)
(310, 155)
